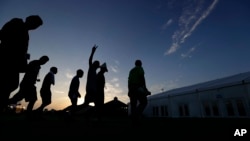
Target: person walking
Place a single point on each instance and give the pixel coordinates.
(14, 43)
(74, 93)
(45, 91)
(137, 90)
(27, 88)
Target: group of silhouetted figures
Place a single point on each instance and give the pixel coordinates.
(14, 41)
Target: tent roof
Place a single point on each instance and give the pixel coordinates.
(213, 84)
(116, 102)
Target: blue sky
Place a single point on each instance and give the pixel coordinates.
(180, 42)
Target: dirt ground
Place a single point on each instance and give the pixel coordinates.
(80, 127)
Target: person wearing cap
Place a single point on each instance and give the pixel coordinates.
(14, 42)
(99, 101)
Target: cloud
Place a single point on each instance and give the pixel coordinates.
(115, 79)
(188, 53)
(59, 92)
(114, 89)
(117, 62)
(173, 48)
(69, 74)
(114, 68)
(167, 24)
(192, 15)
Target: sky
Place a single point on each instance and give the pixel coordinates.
(180, 42)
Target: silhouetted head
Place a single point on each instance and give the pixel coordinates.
(43, 60)
(138, 63)
(33, 22)
(96, 64)
(79, 72)
(54, 70)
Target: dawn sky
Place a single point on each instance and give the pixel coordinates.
(180, 42)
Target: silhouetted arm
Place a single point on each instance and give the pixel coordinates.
(143, 80)
(145, 86)
(92, 54)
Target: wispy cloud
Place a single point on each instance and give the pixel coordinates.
(192, 15)
(59, 92)
(113, 88)
(117, 62)
(114, 68)
(115, 79)
(69, 74)
(167, 24)
(188, 53)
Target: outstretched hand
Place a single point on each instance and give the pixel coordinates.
(94, 48)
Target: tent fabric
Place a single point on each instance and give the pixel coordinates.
(236, 79)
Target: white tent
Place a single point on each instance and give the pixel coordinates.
(224, 97)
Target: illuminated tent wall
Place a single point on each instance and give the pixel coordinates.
(224, 97)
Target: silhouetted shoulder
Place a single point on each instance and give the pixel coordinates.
(16, 20)
(13, 23)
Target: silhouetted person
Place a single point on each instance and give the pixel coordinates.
(74, 93)
(45, 91)
(100, 90)
(91, 86)
(137, 90)
(14, 41)
(27, 88)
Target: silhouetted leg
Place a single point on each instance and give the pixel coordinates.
(133, 109)
(17, 97)
(86, 102)
(4, 97)
(46, 99)
(9, 83)
(30, 96)
(142, 104)
(74, 105)
(30, 106)
(29, 112)
(40, 109)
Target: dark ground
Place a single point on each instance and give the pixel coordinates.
(49, 126)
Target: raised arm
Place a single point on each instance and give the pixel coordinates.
(92, 54)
